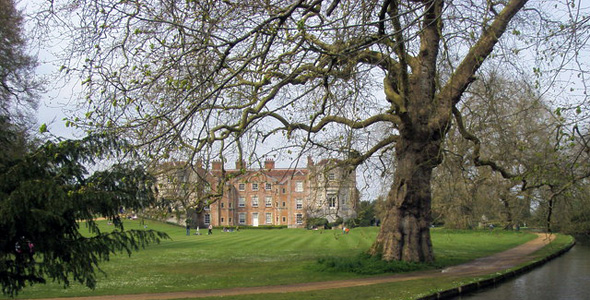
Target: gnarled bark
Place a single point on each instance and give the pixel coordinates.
(405, 231)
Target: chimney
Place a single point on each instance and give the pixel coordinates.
(269, 164)
(216, 165)
(309, 161)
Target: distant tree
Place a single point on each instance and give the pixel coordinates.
(18, 84)
(538, 161)
(514, 127)
(46, 195)
(365, 214)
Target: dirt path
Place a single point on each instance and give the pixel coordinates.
(486, 265)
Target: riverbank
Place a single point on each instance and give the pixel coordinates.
(537, 259)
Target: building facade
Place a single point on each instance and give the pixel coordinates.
(263, 196)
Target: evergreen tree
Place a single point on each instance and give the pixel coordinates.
(47, 194)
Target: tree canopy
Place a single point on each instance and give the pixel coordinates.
(352, 79)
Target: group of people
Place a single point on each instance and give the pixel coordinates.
(188, 229)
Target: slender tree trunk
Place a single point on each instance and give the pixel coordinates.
(549, 215)
(405, 230)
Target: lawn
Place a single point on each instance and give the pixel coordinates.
(256, 258)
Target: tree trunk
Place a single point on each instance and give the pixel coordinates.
(509, 224)
(405, 230)
(549, 215)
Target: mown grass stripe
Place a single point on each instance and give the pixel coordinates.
(251, 258)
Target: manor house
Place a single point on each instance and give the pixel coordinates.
(259, 196)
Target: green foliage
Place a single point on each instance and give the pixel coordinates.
(336, 222)
(366, 264)
(579, 223)
(45, 195)
(316, 223)
(366, 215)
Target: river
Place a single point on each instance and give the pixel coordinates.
(566, 277)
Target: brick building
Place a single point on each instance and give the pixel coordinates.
(263, 196)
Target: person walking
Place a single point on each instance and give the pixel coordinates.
(188, 226)
(210, 229)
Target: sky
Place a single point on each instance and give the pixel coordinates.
(60, 100)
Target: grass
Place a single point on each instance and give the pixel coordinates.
(404, 290)
(259, 258)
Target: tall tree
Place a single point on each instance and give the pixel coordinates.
(45, 197)
(515, 128)
(212, 77)
(18, 85)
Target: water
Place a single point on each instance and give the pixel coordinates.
(566, 277)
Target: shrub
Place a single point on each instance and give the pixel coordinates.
(366, 264)
(336, 223)
(317, 222)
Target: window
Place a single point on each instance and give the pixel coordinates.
(284, 203)
(268, 186)
(299, 186)
(242, 219)
(229, 204)
(299, 218)
(222, 205)
(268, 218)
(284, 220)
(331, 176)
(207, 219)
(229, 220)
(241, 202)
(299, 203)
(284, 191)
(268, 201)
(242, 186)
(254, 186)
(332, 201)
(254, 201)
(222, 219)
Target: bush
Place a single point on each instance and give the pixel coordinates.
(317, 223)
(336, 223)
(366, 264)
(352, 223)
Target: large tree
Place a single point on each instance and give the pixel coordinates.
(47, 195)
(515, 129)
(216, 77)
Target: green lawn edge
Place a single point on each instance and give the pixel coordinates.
(424, 289)
(453, 246)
